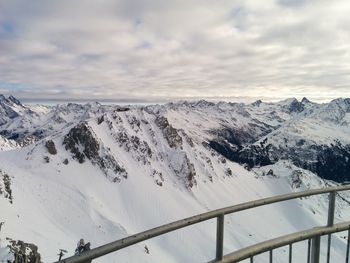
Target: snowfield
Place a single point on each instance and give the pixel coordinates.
(106, 172)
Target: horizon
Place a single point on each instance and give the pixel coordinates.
(246, 100)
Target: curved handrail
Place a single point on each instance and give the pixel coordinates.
(271, 244)
(154, 232)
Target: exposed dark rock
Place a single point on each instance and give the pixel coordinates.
(14, 100)
(245, 135)
(295, 106)
(158, 177)
(146, 250)
(170, 133)
(257, 103)
(333, 162)
(232, 136)
(251, 156)
(187, 138)
(271, 173)
(82, 143)
(46, 159)
(8, 111)
(81, 135)
(300, 142)
(100, 119)
(51, 148)
(203, 104)
(5, 186)
(183, 168)
(121, 109)
(329, 162)
(305, 100)
(134, 123)
(143, 152)
(247, 167)
(24, 252)
(65, 161)
(191, 174)
(296, 179)
(23, 138)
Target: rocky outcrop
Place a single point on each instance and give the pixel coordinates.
(169, 132)
(295, 106)
(140, 148)
(14, 100)
(82, 143)
(51, 148)
(24, 252)
(5, 186)
(333, 162)
(183, 168)
(327, 161)
(251, 156)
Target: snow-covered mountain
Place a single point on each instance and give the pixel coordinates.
(104, 172)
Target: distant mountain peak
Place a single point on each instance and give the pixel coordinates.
(14, 100)
(204, 103)
(305, 100)
(9, 99)
(257, 103)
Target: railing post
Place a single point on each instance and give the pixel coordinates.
(219, 237)
(315, 249)
(331, 208)
(330, 221)
(348, 247)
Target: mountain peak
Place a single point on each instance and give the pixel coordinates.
(204, 103)
(2, 97)
(257, 103)
(14, 100)
(305, 100)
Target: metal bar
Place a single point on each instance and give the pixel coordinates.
(283, 241)
(220, 237)
(329, 247)
(308, 250)
(331, 208)
(315, 249)
(271, 256)
(251, 259)
(290, 252)
(134, 239)
(348, 247)
(330, 221)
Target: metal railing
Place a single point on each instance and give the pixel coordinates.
(219, 214)
(312, 235)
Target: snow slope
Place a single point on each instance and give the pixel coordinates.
(104, 172)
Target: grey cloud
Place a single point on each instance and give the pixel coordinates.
(156, 49)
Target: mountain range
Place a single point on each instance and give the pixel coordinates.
(103, 172)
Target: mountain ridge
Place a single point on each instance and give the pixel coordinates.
(103, 172)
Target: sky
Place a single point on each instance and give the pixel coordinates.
(157, 50)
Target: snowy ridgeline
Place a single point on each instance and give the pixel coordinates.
(105, 172)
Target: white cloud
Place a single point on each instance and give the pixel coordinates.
(159, 49)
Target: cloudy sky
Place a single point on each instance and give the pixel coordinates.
(154, 50)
